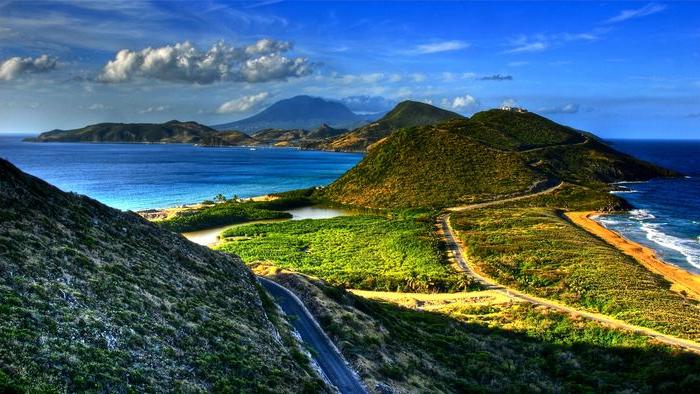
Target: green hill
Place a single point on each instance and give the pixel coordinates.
(405, 114)
(170, 132)
(226, 138)
(93, 299)
(493, 155)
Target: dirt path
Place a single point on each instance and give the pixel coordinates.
(681, 280)
(505, 200)
(455, 250)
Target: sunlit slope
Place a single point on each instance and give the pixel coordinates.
(95, 299)
(493, 155)
(405, 114)
(432, 166)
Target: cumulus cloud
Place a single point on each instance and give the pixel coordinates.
(563, 109)
(242, 104)
(182, 62)
(461, 102)
(497, 77)
(436, 47)
(649, 9)
(15, 67)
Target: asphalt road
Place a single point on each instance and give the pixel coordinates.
(326, 354)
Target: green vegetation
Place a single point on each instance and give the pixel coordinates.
(362, 252)
(571, 197)
(405, 114)
(93, 299)
(237, 211)
(170, 132)
(432, 166)
(499, 347)
(494, 155)
(539, 252)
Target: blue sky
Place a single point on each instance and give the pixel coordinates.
(619, 69)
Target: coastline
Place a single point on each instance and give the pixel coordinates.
(681, 280)
(164, 213)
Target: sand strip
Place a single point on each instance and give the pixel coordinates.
(681, 280)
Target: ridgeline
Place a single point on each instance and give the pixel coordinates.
(496, 154)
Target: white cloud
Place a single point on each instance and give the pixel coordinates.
(461, 102)
(509, 102)
(563, 109)
(182, 62)
(243, 104)
(649, 9)
(418, 77)
(527, 47)
(159, 108)
(436, 47)
(15, 67)
(395, 78)
(98, 107)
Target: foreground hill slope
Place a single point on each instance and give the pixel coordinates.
(95, 299)
(169, 132)
(405, 114)
(496, 154)
(299, 112)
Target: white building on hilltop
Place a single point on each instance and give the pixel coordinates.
(513, 109)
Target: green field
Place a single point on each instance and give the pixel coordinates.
(363, 252)
(539, 252)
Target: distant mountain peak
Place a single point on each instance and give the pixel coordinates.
(298, 112)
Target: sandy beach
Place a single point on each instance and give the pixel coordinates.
(164, 213)
(682, 281)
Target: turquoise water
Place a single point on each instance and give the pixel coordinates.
(141, 176)
(666, 217)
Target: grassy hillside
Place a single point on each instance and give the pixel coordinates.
(170, 132)
(537, 251)
(405, 114)
(95, 299)
(493, 155)
(487, 344)
(432, 166)
(226, 138)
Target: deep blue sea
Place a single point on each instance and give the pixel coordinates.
(667, 211)
(140, 176)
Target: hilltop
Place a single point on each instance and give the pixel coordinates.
(493, 155)
(95, 299)
(405, 114)
(299, 112)
(170, 132)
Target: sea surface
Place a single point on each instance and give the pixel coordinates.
(666, 217)
(141, 176)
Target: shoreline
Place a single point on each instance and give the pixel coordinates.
(681, 280)
(164, 213)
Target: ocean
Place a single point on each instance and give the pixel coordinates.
(666, 217)
(141, 176)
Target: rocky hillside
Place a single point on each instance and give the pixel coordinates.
(495, 154)
(405, 114)
(169, 132)
(95, 299)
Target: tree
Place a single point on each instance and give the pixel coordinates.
(220, 198)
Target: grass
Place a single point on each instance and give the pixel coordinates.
(483, 346)
(539, 252)
(363, 252)
(572, 197)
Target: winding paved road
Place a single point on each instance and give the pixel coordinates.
(326, 354)
(456, 250)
